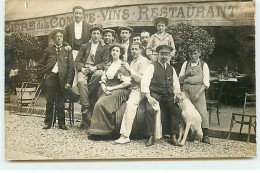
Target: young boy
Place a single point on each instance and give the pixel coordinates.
(195, 77)
(161, 37)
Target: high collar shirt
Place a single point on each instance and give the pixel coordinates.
(78, 30)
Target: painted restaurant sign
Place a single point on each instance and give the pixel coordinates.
(199, 14)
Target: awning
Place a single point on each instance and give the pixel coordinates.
(39, 17)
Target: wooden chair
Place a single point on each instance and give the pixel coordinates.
(70, 99)
(246, 119)
(213, 95)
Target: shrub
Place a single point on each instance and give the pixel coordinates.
(185, 35)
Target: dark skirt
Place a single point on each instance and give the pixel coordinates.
(103, 119)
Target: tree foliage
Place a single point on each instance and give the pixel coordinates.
(185, 35)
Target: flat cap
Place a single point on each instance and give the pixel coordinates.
(96, 27)
(108, 30)
(125, 28)
(164, 48)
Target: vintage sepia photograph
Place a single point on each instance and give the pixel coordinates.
(129, 80)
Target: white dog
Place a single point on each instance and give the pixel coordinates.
(190, 118)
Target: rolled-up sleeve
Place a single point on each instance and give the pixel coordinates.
(146, 80)
(176, 83)
(206, 75)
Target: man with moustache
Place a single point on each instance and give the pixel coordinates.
(90, 62)
(145, 36)
(160, 84)
(59, 72)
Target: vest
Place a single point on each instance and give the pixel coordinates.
(76, 43)
(162, 81)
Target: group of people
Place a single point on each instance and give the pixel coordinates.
(109, 72)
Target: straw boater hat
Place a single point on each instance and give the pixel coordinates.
(55, 30)
(164, 19)
(125, 28)
(96, 27)
(108, 30)
(164, 48)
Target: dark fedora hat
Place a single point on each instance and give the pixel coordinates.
(125, 28)
(164, 48)
(55, 30)
(164, 19)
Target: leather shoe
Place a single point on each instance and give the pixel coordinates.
(83, 125)
(47, 126)
(206, 140)
(150, 142)
(173, 140)
(86, 113)
(62, 126)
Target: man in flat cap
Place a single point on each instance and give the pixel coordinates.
(90, 62)
(160, 84)
(59, 73)
(108, 36)
(125, 34)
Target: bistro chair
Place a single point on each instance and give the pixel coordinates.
(245, 118)
(70, 99)
(213, 95)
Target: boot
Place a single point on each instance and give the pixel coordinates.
(173, 140)
(205, 138)
(84, 123)
(150, 142)
(47, 126)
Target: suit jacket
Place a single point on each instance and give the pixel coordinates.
(101, 57)
(65, 64)
(70, 30)
(129, 54)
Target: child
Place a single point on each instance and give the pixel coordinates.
(161, 37)
(195, 77)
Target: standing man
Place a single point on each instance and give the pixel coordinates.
(161, 84)
(145, 36)
(90, 62)
(77, 33)
(136, 69)
(125, 34)
(59, 73)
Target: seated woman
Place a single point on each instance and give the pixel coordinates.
(114, 83)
